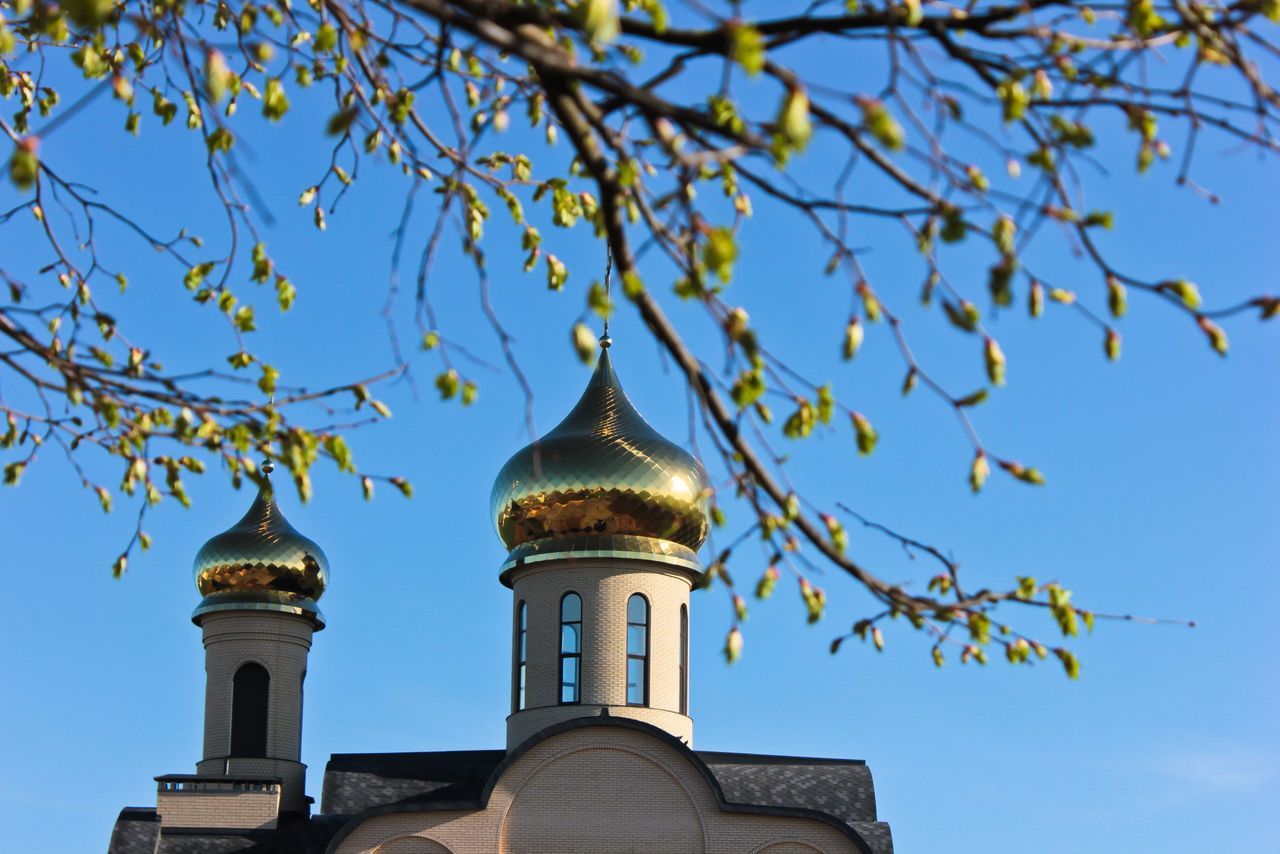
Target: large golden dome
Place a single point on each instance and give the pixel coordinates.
(602, 483)
(261, 563)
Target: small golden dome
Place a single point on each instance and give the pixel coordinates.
(261, 563)
(602, 482)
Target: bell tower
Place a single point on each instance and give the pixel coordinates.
(603, 518)
(260, 580)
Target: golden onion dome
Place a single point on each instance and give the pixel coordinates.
(602, 483)
(262, 563)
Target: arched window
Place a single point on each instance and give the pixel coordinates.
(637, 651)
(517, 692)
(250, 690)
(684, 659)
(570, 648)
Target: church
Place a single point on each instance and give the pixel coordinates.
(603, 518)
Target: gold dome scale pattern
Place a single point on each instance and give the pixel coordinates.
(261, 563)
(602, 483)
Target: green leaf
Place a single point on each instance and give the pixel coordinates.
(557, 273)
(244, 319)
(866, 434)
(719, 252)
(1117, 301)
(768, 581)
(800, 423)
(733, 645)
(341, 121)
(286, 293)
(267, 382)
(964, 316)
(1013, 98)
(909, 381)
(853, 335)
(1183, 290)
(1002, 233)
(1215, 333)
(163, 107)
(220, 139)
(325, 38)
(979, 471)
(337, 448)
(24, 164)
(746, 47)
(218, 77)
(995, 361)
(1111, 344)
(584, 342)
(748, 388)
(1070, 664)
(600, 19)
(1026, 474)
(274, 101)
(447, 383)
(1103, 219)
(88, 14)
(826, 404)
(881, 124)
(794, 127)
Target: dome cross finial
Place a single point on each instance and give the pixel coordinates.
(605, 340)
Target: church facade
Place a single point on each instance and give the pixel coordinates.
(602, 518)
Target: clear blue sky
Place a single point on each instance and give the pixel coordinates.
(1162, 499)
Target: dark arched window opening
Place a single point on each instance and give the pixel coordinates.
(250, 692)
(684, 659)
(571, 648)
(517, 692)
(637, 651)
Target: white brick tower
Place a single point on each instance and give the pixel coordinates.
(603, 517)
(260, 581)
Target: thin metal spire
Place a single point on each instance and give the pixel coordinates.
(605, 340)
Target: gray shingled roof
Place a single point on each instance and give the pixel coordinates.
(876, 834)
(841, 788)
(135, 832)
(354, 782)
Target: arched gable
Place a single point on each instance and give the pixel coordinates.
(599, 783)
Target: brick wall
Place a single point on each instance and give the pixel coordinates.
(218, 809)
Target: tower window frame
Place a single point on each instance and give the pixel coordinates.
(248, 735)
(684, 659)
(571, 611)
(519, 681)
(638, 642)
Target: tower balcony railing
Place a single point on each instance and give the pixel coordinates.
(178, 784)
